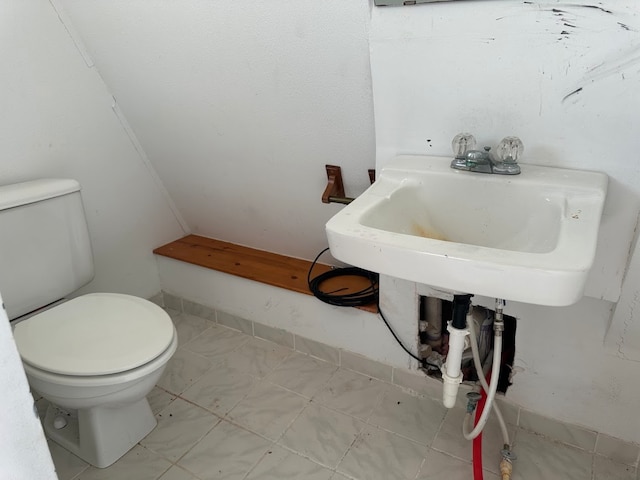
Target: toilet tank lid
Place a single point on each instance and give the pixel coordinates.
(33, 191)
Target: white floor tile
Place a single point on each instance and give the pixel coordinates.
(268, 410)
(220, 389)
(316, 414)
(377, 453)
(227, 452)
(339, 476)
(439, 466)
(180, 426)
(257, 357)
(322, 434)
(280, 464)
(303, 374)
(66, 463)
(216, 342)
(183, 369)
(417, 418)
(351, 393)
(189, 327)
(138, 464)
(542, 459)
(177, 473)
(159, 399)
(607, 469)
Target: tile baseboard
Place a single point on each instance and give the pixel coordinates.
(414, 382)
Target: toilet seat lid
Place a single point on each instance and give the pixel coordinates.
(95, 334)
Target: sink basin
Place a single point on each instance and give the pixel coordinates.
(529, 238)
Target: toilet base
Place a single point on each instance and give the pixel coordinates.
(100, 435)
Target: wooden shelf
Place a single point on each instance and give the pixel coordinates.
(258, 265)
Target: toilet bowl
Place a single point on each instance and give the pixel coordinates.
(95, 358)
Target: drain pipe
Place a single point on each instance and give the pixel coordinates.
(434, 322)
(452, 374)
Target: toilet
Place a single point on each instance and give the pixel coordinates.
(94, 357)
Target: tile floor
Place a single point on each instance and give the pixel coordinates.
(231, 406)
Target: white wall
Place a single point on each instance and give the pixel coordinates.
(57, 121)
(498, 68)
(23, 448)
(239, 106)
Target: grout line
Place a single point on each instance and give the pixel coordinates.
(263, 456)
(408, 390)
(175, 462)
(358, 436)
(424, 460)
(449, 454)
(170, 465)
(444, 419)
(86, 467)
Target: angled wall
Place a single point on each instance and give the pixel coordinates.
(58, 120)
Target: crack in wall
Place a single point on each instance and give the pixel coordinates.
(75, 38)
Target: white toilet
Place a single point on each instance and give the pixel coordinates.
(95, 357)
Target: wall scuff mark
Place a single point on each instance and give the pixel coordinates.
(577, 90)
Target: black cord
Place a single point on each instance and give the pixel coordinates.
(423, 361)
(360, 298)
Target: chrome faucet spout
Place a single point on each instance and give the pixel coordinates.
(479, 161)
(483, 161)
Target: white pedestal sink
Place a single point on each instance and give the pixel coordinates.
(529, 237)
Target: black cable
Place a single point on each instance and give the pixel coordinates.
(423, 361)
(360, 298)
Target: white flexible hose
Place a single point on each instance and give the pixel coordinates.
(483, 382)
(493, 387)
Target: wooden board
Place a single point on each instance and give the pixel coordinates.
(258, 265)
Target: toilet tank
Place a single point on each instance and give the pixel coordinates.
(45, 252)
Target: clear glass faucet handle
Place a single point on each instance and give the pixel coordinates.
(510, 149)
(462, 143)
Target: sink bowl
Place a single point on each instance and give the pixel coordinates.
(529, 238)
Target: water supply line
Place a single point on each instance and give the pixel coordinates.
(506, 464)
(485, 386)
(498, 328)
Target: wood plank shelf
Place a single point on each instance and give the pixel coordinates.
(258, 265)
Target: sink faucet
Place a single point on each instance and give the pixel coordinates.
(483, 161)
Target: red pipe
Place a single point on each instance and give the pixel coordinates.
(477, 442)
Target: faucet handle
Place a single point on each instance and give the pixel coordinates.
(510, 149)
(508, 152)
(462, 143)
